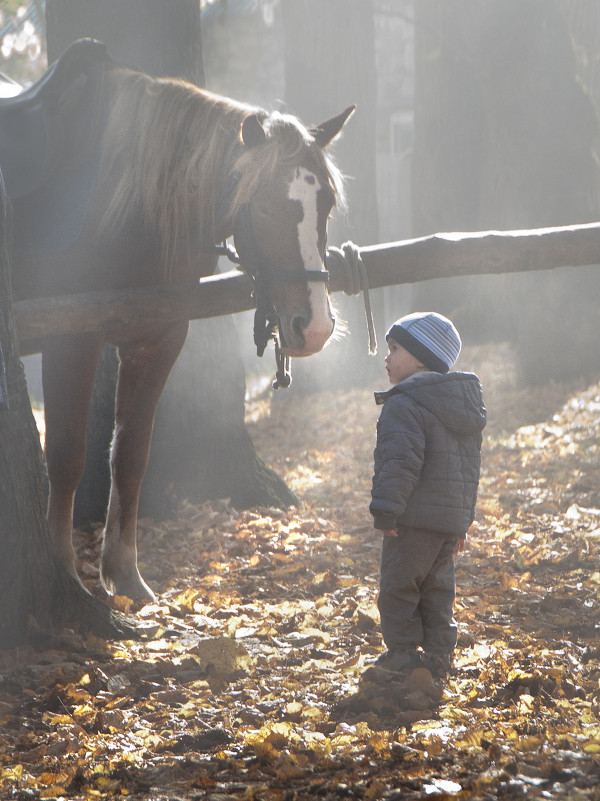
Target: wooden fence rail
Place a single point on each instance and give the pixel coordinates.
(441, 255)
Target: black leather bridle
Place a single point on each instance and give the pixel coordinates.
(248, 257)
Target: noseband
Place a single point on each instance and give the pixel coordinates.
(247, 256)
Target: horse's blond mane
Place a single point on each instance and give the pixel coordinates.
(173, 139)
(286, 141)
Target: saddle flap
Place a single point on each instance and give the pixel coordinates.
(30, 147)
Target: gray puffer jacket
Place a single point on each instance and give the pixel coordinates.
(428, 453)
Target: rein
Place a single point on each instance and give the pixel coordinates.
(247, 256)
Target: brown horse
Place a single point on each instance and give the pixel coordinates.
(180, 170)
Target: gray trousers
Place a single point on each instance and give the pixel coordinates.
(417, 590)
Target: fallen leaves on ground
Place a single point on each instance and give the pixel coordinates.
(252, 678)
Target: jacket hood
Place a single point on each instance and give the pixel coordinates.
(455, 399)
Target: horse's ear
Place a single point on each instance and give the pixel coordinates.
(326, 132)
(253, 134)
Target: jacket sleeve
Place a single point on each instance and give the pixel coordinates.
(399, 456)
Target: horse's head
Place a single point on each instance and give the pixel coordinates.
(286, 191)
(226, 166)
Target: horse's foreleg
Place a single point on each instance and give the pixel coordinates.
(143, 372)
(68, 367)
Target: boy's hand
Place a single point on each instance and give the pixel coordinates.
(460, 545)
(390, 532)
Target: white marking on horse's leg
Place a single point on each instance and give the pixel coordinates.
(304, 188)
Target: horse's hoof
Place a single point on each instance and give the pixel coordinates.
(133, 586)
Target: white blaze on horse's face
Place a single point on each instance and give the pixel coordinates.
(304, 188)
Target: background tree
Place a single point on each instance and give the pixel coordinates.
(201, 448)
(325, 70)
(505, 137)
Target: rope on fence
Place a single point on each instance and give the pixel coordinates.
(347, 262)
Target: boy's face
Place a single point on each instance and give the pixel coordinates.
(399, 363)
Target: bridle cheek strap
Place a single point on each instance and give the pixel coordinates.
(266, 320)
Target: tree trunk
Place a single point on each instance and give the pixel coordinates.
(505, 138)
(201, 448)
(35, 592)
(26, 566)
(207, 452)
(160, 38)
(330, 63)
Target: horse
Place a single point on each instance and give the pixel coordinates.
(179, 170)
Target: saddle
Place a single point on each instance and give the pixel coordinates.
(49, 146)
(32, 135)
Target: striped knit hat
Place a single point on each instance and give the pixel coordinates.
(430, 337)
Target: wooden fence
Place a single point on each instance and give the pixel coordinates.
(441, 255)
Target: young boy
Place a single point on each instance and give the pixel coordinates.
(427, 462)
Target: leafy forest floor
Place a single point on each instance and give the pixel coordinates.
(251, 680)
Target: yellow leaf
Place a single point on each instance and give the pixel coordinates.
(340, 740)
(12, 774)
(56, 720)
(319, 744)
(84, 713)
(471, 739)
(187, 600)
(152, 741)
(223, 653)
(374, 790)
(326, 611)
(55, 791)
(526, 704)
(312, 712)
(279, 734)
(508, 582)
(75, 695)
(293, 709)
(108, 785)
(53, 778)
(529, 744)
(378, 742)
(265, 751)
(122, 602)
(287, 768)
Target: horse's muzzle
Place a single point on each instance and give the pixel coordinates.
(299, 339)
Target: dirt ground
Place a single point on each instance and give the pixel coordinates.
(251, 678)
